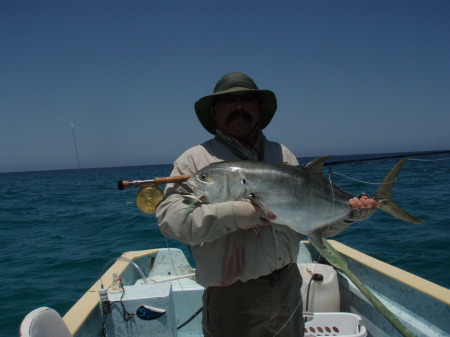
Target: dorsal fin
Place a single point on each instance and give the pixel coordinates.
(316, 165)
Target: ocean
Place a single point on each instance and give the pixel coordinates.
(58, 229)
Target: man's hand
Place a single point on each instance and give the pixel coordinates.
(247, 216)
(362, 207)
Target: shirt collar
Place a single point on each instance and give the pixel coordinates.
(234, 142)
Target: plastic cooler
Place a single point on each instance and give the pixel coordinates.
(334, 324)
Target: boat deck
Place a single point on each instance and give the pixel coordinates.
(422, 306)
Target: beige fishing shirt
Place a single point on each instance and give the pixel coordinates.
(223, 253)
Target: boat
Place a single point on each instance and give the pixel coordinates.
(153, 293)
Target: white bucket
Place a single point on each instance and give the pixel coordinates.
(323, 295)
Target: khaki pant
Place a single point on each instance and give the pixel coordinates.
(257, 308)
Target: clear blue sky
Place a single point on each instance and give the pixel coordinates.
(350, 76)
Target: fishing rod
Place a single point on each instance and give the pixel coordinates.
(150, 195)
(123, 184)
(336, 162)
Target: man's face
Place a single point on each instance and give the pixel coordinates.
(237, 113)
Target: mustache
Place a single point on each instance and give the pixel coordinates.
(238, 114)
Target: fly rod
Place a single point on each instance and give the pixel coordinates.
(337, 162)
(123, 184)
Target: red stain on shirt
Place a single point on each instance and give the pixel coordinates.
(232, 264)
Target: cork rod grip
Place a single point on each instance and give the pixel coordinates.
(174, 179)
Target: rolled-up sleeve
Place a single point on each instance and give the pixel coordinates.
(198, 224)
(204, 223)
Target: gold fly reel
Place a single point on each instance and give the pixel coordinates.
(148, 198)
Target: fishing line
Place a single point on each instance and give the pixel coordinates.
(196, 313)
(332, 193)
(332, 212)
(361, 181)
(371, 183)
(176, 274)
(315, 276)
(290, 317)
(75, 142)
(313, 272)
(83, 187)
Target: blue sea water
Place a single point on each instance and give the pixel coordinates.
(59, 228)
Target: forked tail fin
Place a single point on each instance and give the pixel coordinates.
(383, 196)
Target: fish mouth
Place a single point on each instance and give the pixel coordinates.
(194, 197)
(198, 192)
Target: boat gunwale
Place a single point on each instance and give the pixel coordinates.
(418, 283)
(83, 308)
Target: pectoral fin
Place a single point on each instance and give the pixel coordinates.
(269, 214)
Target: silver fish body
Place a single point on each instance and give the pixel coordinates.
(301, 198)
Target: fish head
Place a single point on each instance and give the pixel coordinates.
(219, 183)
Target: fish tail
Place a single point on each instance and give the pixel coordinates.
(383, 196)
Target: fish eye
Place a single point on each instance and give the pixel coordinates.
(202, 177)
(244, 181)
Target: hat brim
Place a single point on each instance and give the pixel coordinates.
(203, 107)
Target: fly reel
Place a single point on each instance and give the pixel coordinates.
(148, 198)
(150, 195)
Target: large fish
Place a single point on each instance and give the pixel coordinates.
(301, 198)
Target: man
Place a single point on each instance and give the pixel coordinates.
(247, 265)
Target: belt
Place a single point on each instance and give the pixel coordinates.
(276, 274)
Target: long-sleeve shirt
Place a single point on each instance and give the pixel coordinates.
(222, 252)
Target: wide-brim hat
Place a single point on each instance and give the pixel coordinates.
(235, 82)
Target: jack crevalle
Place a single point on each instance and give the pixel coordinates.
(301, 198)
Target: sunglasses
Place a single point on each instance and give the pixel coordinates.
(232, 99)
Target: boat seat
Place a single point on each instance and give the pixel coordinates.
(44, 322)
